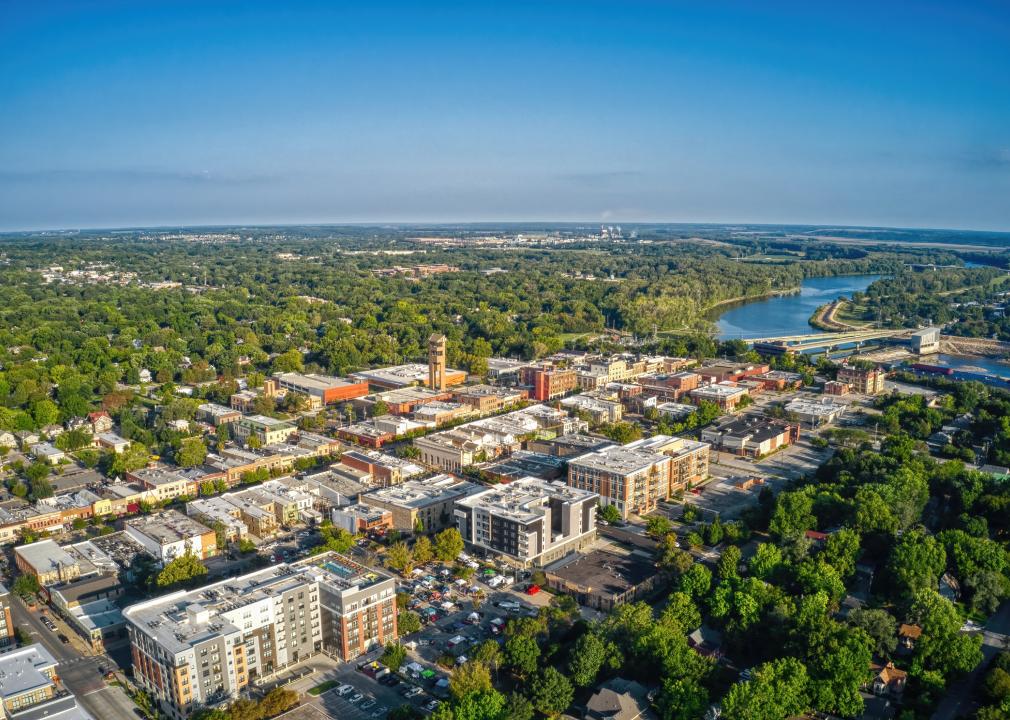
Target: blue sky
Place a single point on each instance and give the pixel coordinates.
(149, 113)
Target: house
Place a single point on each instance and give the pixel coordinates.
(47, 453)
(908, 635)
(145, 375)
(113, 442)
(100, 422)
(707, 641)
(619, 699)
(8, 440)
(26, 438)
(888, 680)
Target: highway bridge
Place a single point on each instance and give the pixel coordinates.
(813, 342)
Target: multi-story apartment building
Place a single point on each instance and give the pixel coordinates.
(688, 459)
(630, 479)
(426, 503)
(202, 647)
(217, 414)
(529, 522)
(863, 380)
(548, 382)
(170, 534)
(30, 687)
(358, 604)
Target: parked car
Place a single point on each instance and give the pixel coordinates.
(355, 698)
(381, 712)
(368, 704)
(344, 689)
(64, 639)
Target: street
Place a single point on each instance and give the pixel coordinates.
(80, 674)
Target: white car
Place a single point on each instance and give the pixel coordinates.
(355, 698)
(344, 689)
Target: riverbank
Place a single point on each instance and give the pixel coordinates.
(750, 298)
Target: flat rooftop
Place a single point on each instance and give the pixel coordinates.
(342, 573)
(524, 463)
(314, 381)
(717, 390)
(45, 556)
(523, 500)
(167, 527)
(421, 493)
(606, 572)
(21, 670)
(619, 460)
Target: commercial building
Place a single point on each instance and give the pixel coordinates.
(162, 483)
(385, 469)
(486, 399)
(688, 460)
(529, 522)
(730, 371)
(400, 376)
(324, 389)
(401, 401)
(47, 562)
(267, 430)
(434, 414)
(632, 480)
(751, 435)
(30, 687)
(490, 438)
(376, 432)
(170, 534)
(599, 410)
(505, 371)
(424, 503)
(724, 394)
(361, 518)
(566, 446)
(6, 620)
(548, 382)
(778, 380)
(815, 412)
(202, 647)
(863, 380)
(217, 414)
(604, 579)
(522, 464)
(217, 511)
(676, 411)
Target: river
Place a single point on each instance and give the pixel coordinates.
(788, 314)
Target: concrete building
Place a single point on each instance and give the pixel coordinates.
(324, 389)
(632, 480)
(528, 522)
(688, 460)
(751, 435)
(267, 430)
(730, 371)
(385, 469)
(401, 401)
(567, 446)
(925, 342)
(863, 380)
(815, 412)
(676, 411)
(724, 394)
(599, 410)
(7, 638)
(505, 371)
(170, 534)
(47, 562)
(216, 510)
(428, 502)
(202, 647)
(436, 362)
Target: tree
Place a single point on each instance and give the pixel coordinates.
(393, 656)
(776, 690)
(192, 452)
(551, 692)
(423, 551)
(879, 625)
(519, 708)
(489, 653)
(696, 582)
(408, 622)
(657, 526)
(405, 712)
(587, 657)
(671, 558)
(181, 570)
(942, 646)
(841, 550)
(448, 544)
(766, 561)
(917, 561)
(381, 407)
(469, 678)
(728, 563)
(681, 610)
(793, 514)
(522, 653)
(26, 586)
(609, 513)
(681, 698)
(398, 556)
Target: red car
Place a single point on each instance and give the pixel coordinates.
(532, 589)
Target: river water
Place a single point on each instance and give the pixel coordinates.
(788, 314)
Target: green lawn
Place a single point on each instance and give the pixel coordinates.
(323, 687)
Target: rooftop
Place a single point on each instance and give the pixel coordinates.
(45, 556)
(619, 459)
(718, 390)
(167, 527)
(421, 493)
(314, 381)
(523, 500)
(21, 670)
(605, 572)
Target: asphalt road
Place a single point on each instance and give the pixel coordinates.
(80, 674)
